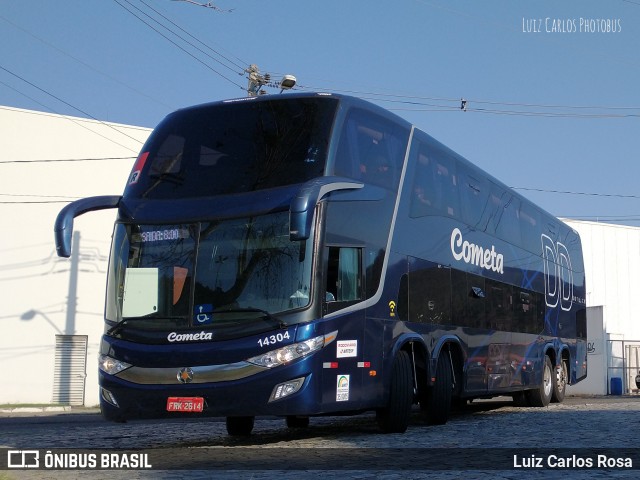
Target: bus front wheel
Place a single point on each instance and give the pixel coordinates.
(394, 418)
(240, 426)
(541, 396)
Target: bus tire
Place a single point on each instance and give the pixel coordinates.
(294, 421)
(394, 418)
(109, 415)
(541, 396)
(240, 426)
(438, 396)
(560, 383)
(521, 399)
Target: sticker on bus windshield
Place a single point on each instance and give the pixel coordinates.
(203, 314)
(137, 168)
(342, 388)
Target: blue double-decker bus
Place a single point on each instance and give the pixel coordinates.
(314, 254)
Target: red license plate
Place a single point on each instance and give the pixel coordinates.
(185, 404)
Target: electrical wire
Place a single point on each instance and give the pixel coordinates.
(415, 103)
(231, 65)
(174, 43)
(70, 105)
(85, 64)
(71, 119)
(55, 160)
(239, 66)
(590, 194)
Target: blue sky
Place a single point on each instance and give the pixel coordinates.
(552, 106)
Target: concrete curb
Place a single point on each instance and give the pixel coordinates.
(44, 410)
(59, 409)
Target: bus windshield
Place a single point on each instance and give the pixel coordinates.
(217, 273)
(234, 147)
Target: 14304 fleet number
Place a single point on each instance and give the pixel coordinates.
(273, 339)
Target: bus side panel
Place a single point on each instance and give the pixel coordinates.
(343, 370)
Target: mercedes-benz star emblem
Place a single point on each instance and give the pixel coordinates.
(185, 375)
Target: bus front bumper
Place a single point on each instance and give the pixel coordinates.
(287, 390)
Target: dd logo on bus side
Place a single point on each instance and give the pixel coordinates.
(558, 276)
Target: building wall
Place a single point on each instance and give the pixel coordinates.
(611, 256)
(597, 359)
(36, 287)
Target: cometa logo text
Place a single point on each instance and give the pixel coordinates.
(486, 258)
(189, 337)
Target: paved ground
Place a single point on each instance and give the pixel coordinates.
(479, 442)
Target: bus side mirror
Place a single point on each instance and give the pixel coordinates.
(63, 228)
(304, 203)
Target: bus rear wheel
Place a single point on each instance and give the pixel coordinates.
(560, 384)
(240, 426)
(437, 400)
(541, 396)
(394, 418)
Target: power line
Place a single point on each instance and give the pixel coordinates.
(417, 103)
(241, 67)
(66, 103)
(179, 36)
(62, 199)
(608, 218)
(54, 160)
(37, 196)
(174, 43)
(542, 190)
(85, 64)
(226, 62)
(33, 202)
(610, 195)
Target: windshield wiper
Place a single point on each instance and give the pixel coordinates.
(265, 315)
(125, 321)
(117, 327)
(168, 176)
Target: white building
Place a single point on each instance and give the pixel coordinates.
(52, 308)
(611, 258)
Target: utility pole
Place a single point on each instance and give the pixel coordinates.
(257, 80)
(72, 297)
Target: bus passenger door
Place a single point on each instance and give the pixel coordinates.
(342, 371)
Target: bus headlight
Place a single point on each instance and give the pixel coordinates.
(111, 365)
(292, 352)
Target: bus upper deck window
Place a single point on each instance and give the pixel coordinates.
(371, 149)
(168, 159)
(435, 184)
